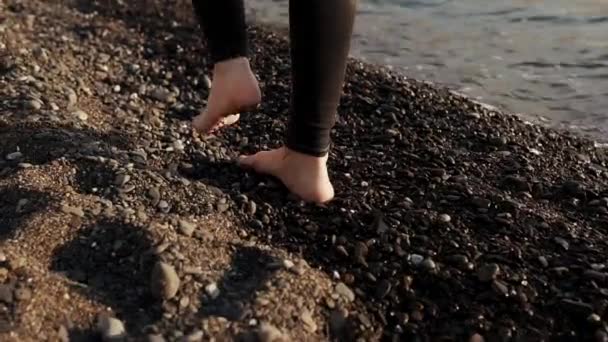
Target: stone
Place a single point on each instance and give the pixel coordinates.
(33, 105)
(76, 211)
(62, 334)
(164, 281)
(345, 292)
(444, 218)
(23, 294)
(6, 293)
(488, 272)
(110, 328)
(186, 228)
(269, 333)
(81, 115)
(122, 179)
(309, 323)
(212, 290)
(476, 338)
(14, 156)
(155, 338)
(428, 264)
(562, 242)
(195, 336)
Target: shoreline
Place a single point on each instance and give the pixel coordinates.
(451, 222)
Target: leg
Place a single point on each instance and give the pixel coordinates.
(320, 32)
(235, 88)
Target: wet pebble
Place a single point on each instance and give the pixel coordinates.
(445, 218)
(164, 282)
(383, 289)
(33, 105)
(428, 264)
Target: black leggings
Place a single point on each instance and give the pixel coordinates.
(320, 34)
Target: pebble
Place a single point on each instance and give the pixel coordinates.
(186, 228)
(360, 253)
(543, 261)
(195, 336)
(165, 281)
(481, 202)
(76, 211)
(6, 293)
(160, 94)
(337, 322)
(155, 338)
(23, 294)
(269, 333)
(488, 272)
(122, 179)
(111, 328)
(212, 290)
(288, 264)
(154, 195)
(81, 115)
(309, 323)
(14, 156)
(500, 288)
(383, 289)
(563, 243)
(576, 307)
(34, 105)
(345, 292)
(416, 259)
(62, 334)
(428, 264)
(445, 218)
(595, 275)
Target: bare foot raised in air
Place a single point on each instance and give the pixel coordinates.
(305, 176)
(234, 89)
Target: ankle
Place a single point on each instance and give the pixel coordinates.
(307, 159)
(231, 65)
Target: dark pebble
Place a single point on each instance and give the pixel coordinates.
(383, 289)
(576, 307)
(488, 272)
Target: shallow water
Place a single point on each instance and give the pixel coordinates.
(546, 58)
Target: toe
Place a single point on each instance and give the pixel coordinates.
(204, 122)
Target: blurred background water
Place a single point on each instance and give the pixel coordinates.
(543, 59)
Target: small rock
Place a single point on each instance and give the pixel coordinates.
(23, 294)
(252, 207)
(195, 336)
(360, 253)
(309, 323)
(110, 328)
(160, 94)
(516, 183)
(186, 228)
(81, 115)
(6, 293)
(488, 272)
(165, 281)
(543, 261)
(594, 318)
(33, 105)
(444, 218)
(383, 289)
(337, 322)
(62, 334)
(500, 288)
(563, 243)
(122, 179)
(416, 259)
(481, 203)
(212, 290)
(154, 195)
(76, 211)
(345, 292)
(155, 338)
(428, 264)
(14, 156)
(269, 333)
(600, 336)
(288, 264)
(208, 83)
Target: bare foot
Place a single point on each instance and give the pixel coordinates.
(234, 89)
(305, 176)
